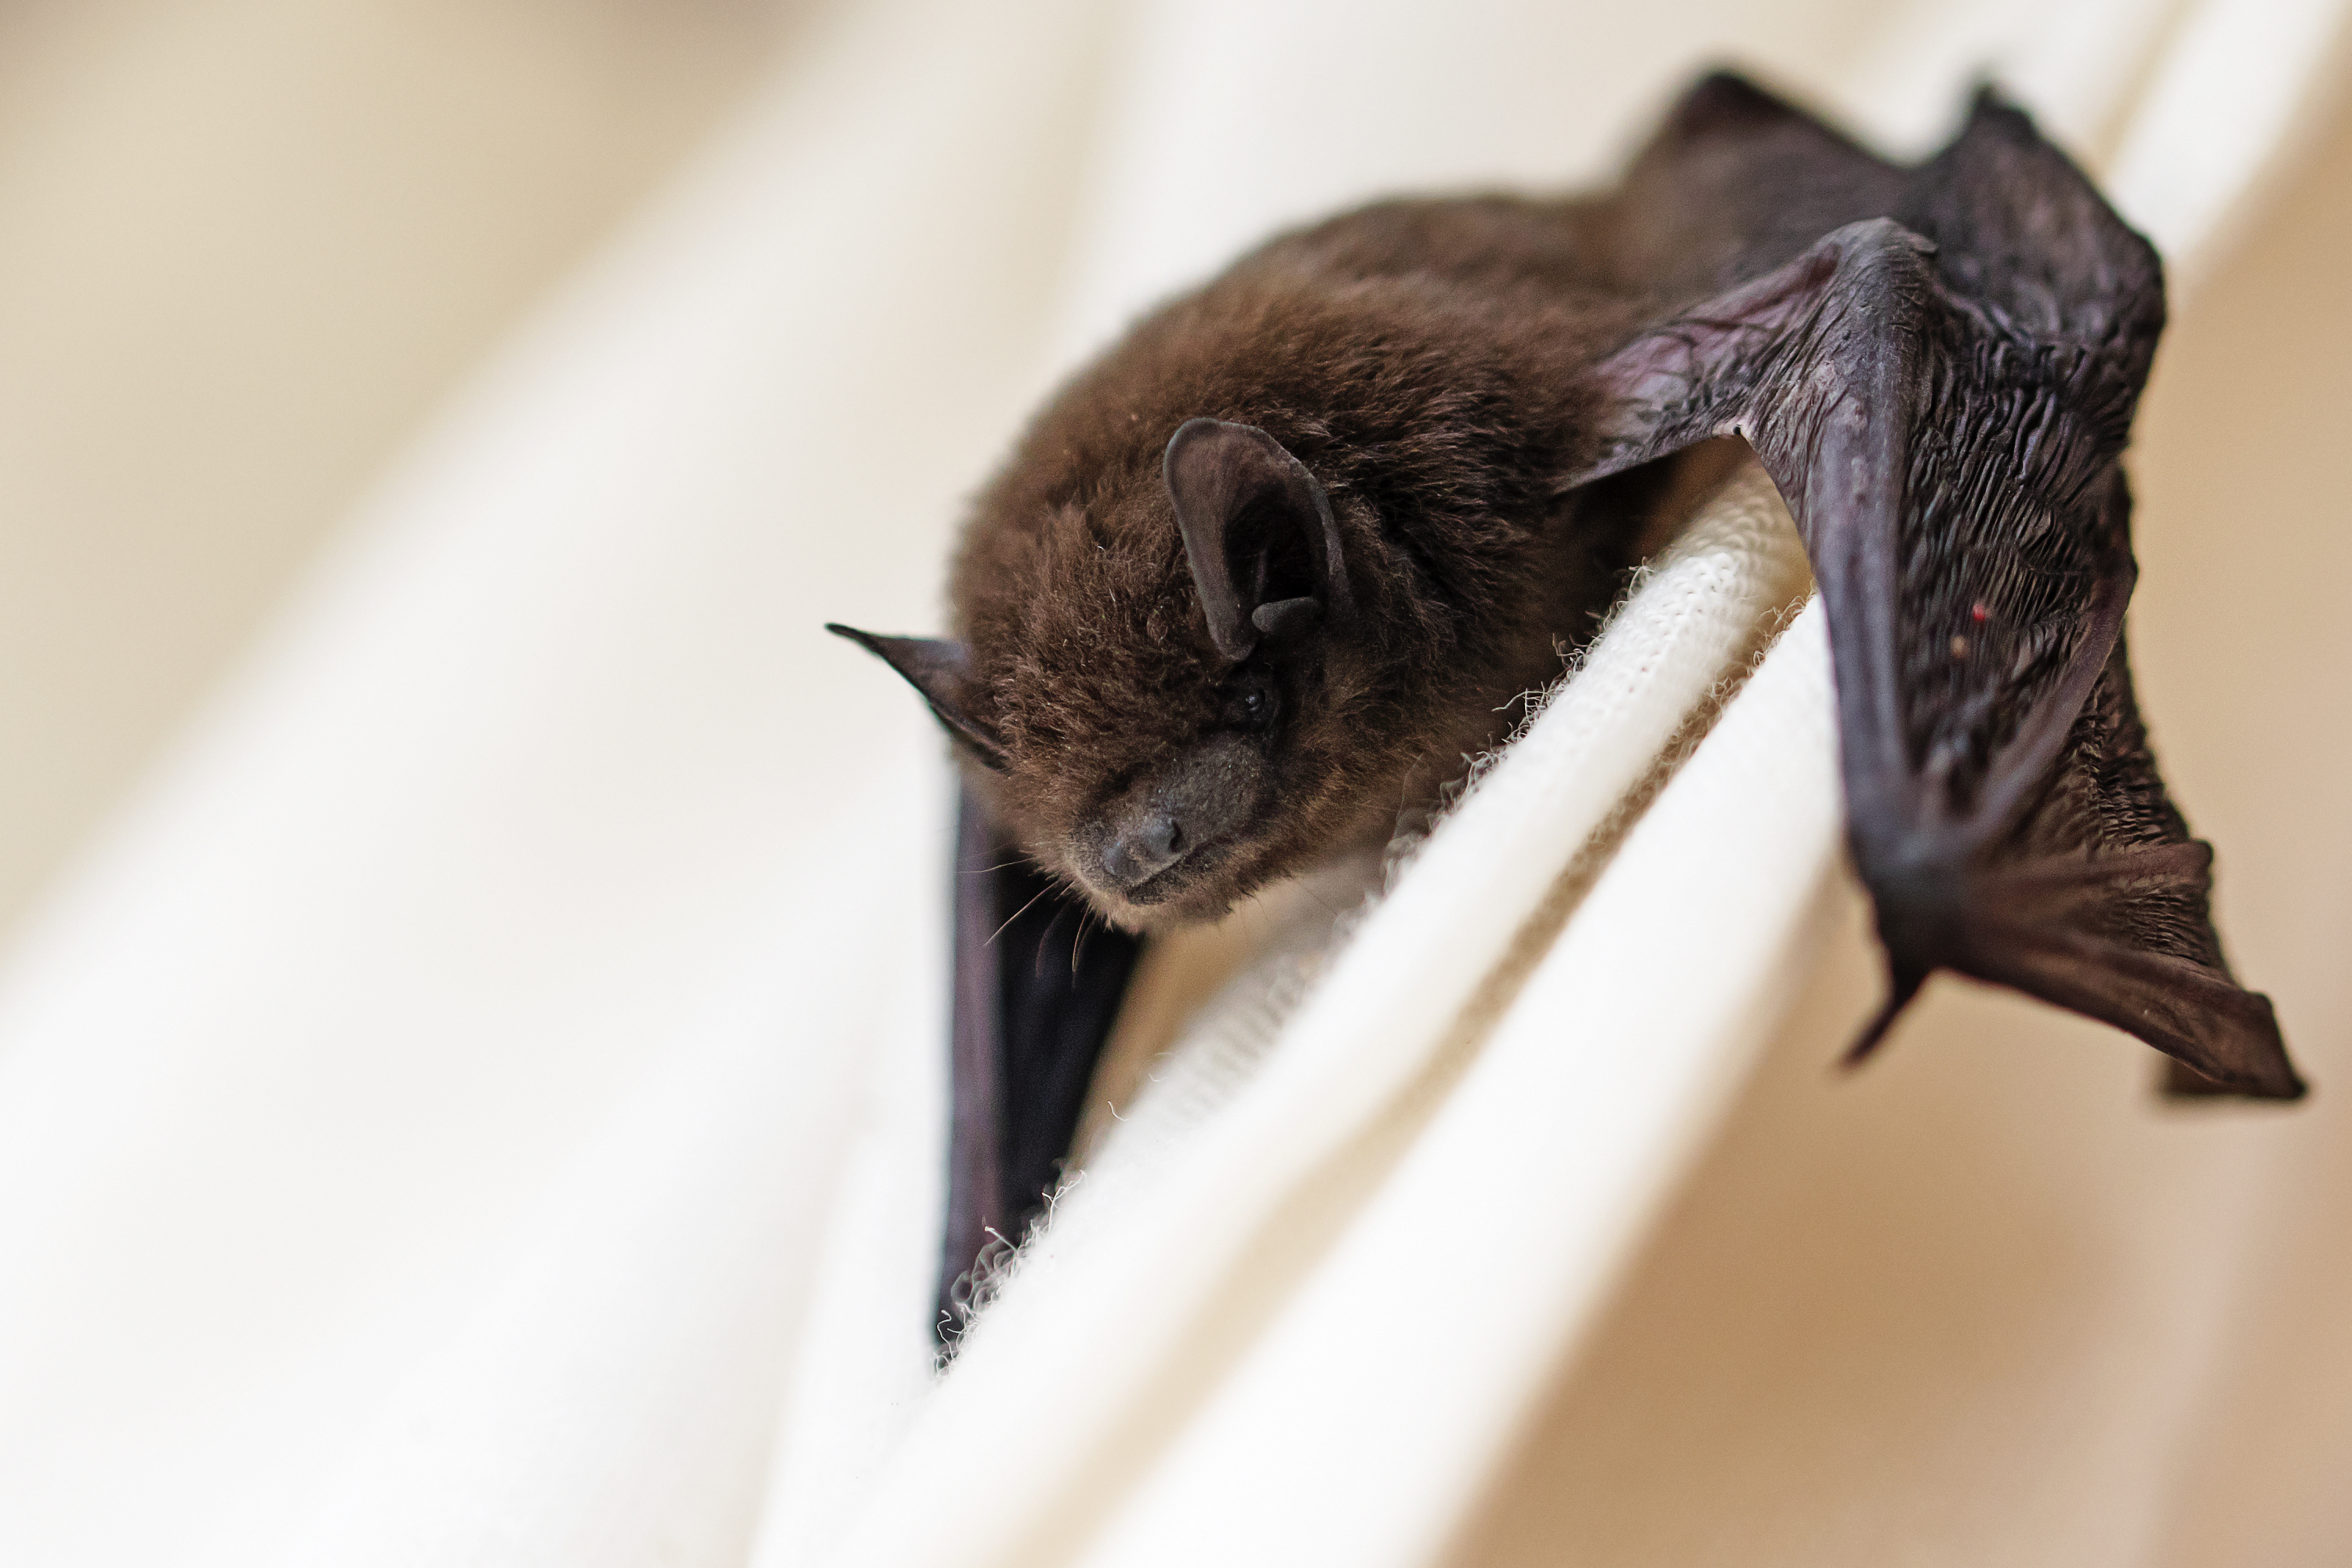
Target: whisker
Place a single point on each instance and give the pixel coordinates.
(1017, 914)
(1037, 964)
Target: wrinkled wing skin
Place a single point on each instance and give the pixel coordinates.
(1038, 981)
(1941, 388)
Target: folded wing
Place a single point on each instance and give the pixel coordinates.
(1942, 391)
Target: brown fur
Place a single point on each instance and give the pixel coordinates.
(1421, 359)
(1415, 356)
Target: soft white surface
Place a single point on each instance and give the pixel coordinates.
(1511, 1211)
(637, 1432)
(294, 1077)
(1128, 1307)
(420, 1123)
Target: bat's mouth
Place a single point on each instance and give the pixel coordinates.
(1198, 887)
(1163, 849)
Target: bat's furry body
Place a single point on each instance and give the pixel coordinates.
(1266, 569)
(1436, 407)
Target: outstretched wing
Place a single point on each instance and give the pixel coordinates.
(1038, 981)
(1941, 388)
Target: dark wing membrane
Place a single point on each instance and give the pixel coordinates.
(1941, 393)
(1038, 981)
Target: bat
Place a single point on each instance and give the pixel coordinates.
(1265, 570)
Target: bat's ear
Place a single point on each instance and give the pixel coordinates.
(1259, 534)
(936, 668)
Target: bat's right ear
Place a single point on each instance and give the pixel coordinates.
(1259, 534)
(936, 668)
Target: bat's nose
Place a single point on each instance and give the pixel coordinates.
(1145, 848)
(1192, 813)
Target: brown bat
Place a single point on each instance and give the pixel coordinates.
(1268, 568)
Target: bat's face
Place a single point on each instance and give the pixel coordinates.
(1166, 693)
(1195, 803)
(1175, 690)
(1198, 655)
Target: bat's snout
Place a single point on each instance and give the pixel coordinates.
(1160, 842)
(1144, 849)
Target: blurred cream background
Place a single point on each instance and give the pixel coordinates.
(419, 1103)
(244, 244)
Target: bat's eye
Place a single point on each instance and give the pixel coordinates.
(1251, 702)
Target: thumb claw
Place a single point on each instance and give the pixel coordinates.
(1902, 985)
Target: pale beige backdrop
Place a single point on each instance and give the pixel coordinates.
(244, 245)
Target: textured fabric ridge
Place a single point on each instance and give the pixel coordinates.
(1089, 1355)
(1581, 1105)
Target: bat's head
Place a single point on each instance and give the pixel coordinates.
(1163, 695)
(1200, 654)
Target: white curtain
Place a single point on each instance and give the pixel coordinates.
(481, 1106)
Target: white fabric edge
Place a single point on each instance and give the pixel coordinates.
(863, 1364)
(1063, 1366)
(2224, 108)
(1496, 1240)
